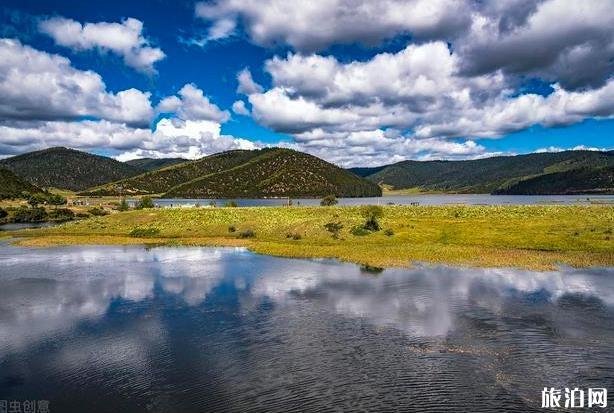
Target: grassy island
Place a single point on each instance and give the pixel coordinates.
(536, 237)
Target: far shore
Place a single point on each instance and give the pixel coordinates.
(532, 237)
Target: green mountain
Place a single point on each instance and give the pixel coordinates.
(162, 180)
(152, 164)
(12, 186)
(278, 173)
(270, 172)
(483, 175)
(575, 181)
(67, 168)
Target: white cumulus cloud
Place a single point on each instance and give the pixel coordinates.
(190, 139)
(124, 39)
(563, 41)
(420, 92)
(45, 102)
(316, 24)
(239, 108)
(247, 85)
(192, 104)
(36, 85)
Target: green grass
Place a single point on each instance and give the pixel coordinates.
(537, 237)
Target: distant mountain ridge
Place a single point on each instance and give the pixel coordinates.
(269, 172)
(499, 175)
(280, 172)
(67, 168)
(583, 180)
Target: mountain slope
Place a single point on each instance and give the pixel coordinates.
(152, 164)
(481, 175)
(278, 172)
(575, 181)
(162, 180)
(11, 186)
(67, 168)
(244, 173)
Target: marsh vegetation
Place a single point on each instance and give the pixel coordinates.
(518, 236)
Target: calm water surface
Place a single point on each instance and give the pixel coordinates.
(126, 329)
(438, 199)
(20, 226)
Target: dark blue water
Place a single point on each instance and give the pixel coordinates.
(128, 329)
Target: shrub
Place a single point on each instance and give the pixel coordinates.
(329, 200)
(3, 213)
(61, 214)
(388, 232)
(294, 235)
(55, 199)
(334, 228)
(97, 211)
(123, 205)
(145, 202)
(359, 231)
(371, 213)
(143, 232)
(34, 214)
(82, 215)
(232, 228)
(37, 199)
(370, 269)
(231, 204)
(248, 233)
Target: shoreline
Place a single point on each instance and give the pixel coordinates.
(530, 237)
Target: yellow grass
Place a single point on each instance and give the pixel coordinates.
(536, 237)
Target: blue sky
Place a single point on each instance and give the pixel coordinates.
(352, 81)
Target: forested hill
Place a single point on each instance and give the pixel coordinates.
(270, 172)
(11, 186)
(67, 168)
(162, 180)
(571, 182)
(277, 173)
(489, 175)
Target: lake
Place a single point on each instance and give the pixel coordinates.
(28, 225)
(130, 329)
(425, 199)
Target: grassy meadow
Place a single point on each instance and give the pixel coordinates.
(536, 237)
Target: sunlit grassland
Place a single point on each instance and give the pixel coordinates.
(538, 237)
